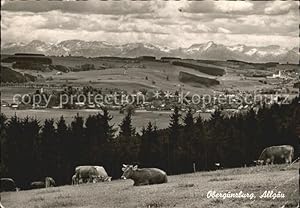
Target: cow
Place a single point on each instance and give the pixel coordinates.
(49, 182)
(282, 152)
(86, 173)
(7, 184)
(90, 173)
(37, 184)
(144, 176)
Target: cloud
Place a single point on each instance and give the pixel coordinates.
(197, 28)
(223, 30)
(218, 7)
(157, 22)
(280, 7)
(233, 6)
(195, 7)
(89, 7)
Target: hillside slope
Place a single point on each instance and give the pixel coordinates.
(9, 75)
(188, 190)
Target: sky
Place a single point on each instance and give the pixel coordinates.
(171, 24)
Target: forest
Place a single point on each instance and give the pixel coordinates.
(32, 150)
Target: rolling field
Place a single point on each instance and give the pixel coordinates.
(134, 78)
(188, 190)
(140, 74)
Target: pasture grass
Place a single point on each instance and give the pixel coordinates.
(186, 190)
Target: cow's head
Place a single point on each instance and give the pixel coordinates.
(128, 171)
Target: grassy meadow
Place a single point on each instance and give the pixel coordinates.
(187, 190)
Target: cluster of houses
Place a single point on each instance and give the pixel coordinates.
(228, 101)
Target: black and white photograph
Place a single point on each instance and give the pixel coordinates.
(150, 104)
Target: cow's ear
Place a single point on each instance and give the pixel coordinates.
(135, 167)
(124, 165)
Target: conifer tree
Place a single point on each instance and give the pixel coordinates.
(3, 146)
(126, 129)
(174, 135)
(64, 154)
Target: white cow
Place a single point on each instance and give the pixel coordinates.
(90, 173)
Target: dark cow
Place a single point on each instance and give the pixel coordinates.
(144, 176)
(276, 153)
(7, 184)
(49, 182)
(37, 184)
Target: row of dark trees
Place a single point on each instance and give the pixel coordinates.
(31, 151)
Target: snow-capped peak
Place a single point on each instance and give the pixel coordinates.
(239, 48)
(208, 45)
(209, 50)
(251, 52)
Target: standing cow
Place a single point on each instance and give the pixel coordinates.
(282, 152)
(144, 176)
(86, 173)
(90, 173)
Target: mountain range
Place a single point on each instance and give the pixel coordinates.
(208, 51)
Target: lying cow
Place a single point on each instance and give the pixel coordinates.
(49, 182)
(282, 152)
(7, 184)
(144, 176)
(90, 173)
(37, 184)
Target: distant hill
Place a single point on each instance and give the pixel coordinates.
(196, 80)
(22, 58)
(203, 51)
(9, 75)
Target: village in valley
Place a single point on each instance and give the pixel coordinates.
(273, 83)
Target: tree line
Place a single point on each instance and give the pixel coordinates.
(32, 150)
